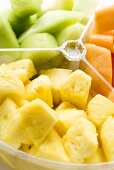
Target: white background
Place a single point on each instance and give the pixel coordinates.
(4, 4)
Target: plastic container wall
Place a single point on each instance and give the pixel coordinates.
(70, 55)
(60, 59)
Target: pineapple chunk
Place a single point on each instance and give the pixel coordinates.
(37, 119)
(64, 106)
(107, 138)
(80, 141)
(10, 85)
(14, 134)
(8, 109)
(67, 118)
(40, 88)
(76, 89)
(97, 157)
(57, 76)
(99, 109)
(10, 131)
(51, 148)
(23, 69)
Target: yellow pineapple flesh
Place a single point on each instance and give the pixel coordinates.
(107, 138)
(23, 69)
(64, 106)
(99, 109)
(37, 120)
(40, 88)
(80, 141)
(97, 157)
(51, 148)
(10, 85)
(57, 76)
(67, 118)
(76, 89)
(10, 130)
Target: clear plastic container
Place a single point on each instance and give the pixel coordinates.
(72, 56)
(84, 38)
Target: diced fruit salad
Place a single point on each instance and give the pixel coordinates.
(100, 47)
(41, 24)
(49, 114)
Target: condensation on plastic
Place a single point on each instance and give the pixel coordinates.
(71, 55)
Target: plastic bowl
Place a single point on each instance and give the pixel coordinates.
(71, 55)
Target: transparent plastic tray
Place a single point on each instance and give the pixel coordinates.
(84, 39)
(71, 55)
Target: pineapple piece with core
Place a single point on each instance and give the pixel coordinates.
(57, 76)
(37, 120)
(67, 118)
(40, 88)
(23, 69)
(10, 85)
(80, 141)
(76, 88)
(99, 109)
(10, 130)
(51, 148)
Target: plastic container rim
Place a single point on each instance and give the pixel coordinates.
(41, 161)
